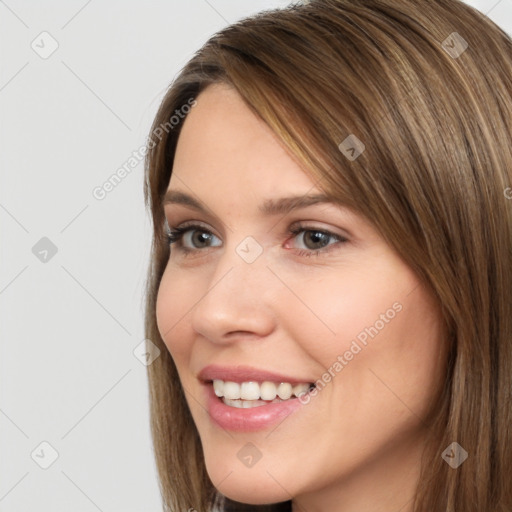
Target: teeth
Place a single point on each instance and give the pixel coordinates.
(268, 391)
(251, 391)
(284, 390)
(218, 387)
(301, 389)
(244, 404)
(231, 390)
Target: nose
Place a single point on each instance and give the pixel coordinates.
(237, 302)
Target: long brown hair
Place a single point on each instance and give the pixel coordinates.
(426, 86)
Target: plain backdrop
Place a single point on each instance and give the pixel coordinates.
(80, 82)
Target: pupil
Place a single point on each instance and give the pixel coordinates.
(201, 236)
(316, 236)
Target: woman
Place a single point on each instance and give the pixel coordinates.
(331, 282)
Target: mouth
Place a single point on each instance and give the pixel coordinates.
(244, 398)
(249, 394)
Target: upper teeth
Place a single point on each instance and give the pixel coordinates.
(254, 390)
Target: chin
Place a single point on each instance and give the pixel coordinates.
(253, 486)
(247, 492)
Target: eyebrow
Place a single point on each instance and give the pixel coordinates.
(269, 207)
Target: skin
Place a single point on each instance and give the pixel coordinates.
(356, 445)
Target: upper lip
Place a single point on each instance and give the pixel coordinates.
(241, 373)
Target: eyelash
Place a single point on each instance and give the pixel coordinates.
(176, 235)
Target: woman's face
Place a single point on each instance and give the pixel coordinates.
(244, 300)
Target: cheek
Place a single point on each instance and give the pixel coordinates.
(375, 331)
(173, 301)
(391, 344)
(414, 358)
(343, 307)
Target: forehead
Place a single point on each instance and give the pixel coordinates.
(223, 143)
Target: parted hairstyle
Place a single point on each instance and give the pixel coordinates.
(426, 86)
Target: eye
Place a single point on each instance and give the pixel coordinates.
(190, 234)
(190, 238)
(315, 240)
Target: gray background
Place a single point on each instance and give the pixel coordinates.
(72, 319)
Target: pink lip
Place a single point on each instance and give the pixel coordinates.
(244, 374)
(247, 420)
(255, 418)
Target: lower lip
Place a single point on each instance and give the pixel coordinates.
(251, 419)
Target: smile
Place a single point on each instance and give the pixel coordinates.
(244, 398)
(249, 394)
